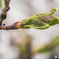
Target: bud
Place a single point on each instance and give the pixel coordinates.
(41, 21)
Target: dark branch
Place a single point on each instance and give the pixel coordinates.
(4, 11)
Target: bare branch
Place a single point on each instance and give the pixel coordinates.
(4, 11)
(8, 27)
(16, 25)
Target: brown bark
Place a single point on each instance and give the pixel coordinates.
(6, 8)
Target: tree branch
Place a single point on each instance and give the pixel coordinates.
(4, 11)
(38, 21)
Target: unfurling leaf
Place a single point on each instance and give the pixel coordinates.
(41, 21)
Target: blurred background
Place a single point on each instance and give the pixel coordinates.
(20, 9)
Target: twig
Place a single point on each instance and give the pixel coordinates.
(4, 11)
(16, 25)
(38, 21)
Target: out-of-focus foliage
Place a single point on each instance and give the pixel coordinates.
(54, 43)
(25, 47)
(0, 3)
